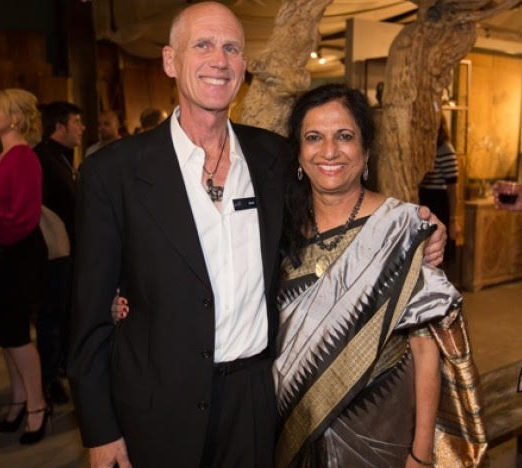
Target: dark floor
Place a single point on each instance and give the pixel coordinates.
(495, 321)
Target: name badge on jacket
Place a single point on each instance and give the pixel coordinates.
(244, 203)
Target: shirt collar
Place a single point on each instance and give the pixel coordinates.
(57, 148)
(185, 149)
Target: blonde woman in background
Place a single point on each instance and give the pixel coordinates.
(22, 256)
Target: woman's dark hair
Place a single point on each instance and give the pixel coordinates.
(298, 197)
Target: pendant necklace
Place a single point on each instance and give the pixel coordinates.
(335, 242)
(215, 192)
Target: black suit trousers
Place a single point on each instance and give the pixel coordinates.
(240, 432)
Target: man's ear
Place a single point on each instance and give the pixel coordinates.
(59, 128)
(168, 61)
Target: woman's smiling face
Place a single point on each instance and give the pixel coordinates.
(331, 149)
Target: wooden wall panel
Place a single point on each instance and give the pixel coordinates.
(23, 65)
(81, 59)
(161, 88)
(108, 77)
(494, 111)
(493, 252)
(144, 85)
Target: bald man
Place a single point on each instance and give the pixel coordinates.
(108, 125)
(186, 218)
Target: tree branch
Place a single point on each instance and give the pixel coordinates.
(479, 15)
(279, 72)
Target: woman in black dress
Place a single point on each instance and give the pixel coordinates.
(22, 256)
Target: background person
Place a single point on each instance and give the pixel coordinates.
(108, 131)
(62, 132)
(22, 257)
(438, 188)
(150, 118)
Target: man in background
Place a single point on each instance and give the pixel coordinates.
(108, 125)
(62, 132)
(150, 118)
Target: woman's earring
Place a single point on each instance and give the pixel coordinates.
(365, 172)
(299, 173)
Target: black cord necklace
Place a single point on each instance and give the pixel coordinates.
(335, 242)
(215, 192)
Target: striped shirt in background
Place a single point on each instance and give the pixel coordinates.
(445, 171)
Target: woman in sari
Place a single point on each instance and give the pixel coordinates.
(364, 323)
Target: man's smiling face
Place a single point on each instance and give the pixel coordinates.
(207, 58)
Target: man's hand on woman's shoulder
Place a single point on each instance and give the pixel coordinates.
(434, 250)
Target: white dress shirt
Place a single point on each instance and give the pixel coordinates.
(231, 247)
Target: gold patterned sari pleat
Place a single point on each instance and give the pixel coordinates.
(460, 437)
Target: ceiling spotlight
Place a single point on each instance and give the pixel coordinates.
(313, 54)
(322, 60)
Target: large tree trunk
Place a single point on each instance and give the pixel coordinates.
(419, 67)
(280, 73)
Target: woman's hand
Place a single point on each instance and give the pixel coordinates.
(119, 307)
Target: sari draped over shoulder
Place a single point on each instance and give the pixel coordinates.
(344, 375)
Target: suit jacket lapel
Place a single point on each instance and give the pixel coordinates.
(269, 195)
(160, 188)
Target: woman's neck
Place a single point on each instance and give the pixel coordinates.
(333, 210)
(10, 139)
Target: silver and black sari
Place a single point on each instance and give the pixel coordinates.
(344, 376)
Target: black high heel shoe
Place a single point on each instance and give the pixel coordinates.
(32, 437)
(12, 426)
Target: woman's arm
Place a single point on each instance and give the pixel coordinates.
(426, 358)
(20, 195)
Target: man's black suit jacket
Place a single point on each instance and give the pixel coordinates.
(135, 229)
